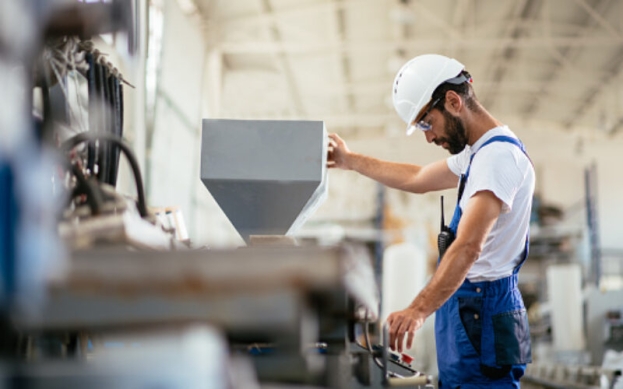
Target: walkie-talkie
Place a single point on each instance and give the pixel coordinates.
(445, 237)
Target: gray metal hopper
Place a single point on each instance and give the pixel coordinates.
(267, 176)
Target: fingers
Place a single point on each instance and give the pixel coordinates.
(400, 334)
(331, 140)
(410, 336)
(390, 322)
(395, 335)
(331, 151)
(335, 140)
(331, 158)
(400, 326)
(337, 152)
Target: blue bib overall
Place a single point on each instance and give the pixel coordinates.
(482, 334)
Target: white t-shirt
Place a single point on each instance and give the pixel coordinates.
(503, 169)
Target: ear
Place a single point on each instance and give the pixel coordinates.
(453, 102)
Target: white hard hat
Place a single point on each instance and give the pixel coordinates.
(417, 80)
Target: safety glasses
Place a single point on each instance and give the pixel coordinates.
(421, 124)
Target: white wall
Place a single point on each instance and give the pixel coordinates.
(173, 154)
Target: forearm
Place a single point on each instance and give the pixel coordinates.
(396, 175)
(447, 279)
(481, 213)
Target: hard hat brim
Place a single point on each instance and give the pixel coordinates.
(418, 116)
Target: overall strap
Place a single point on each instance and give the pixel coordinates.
(526, 249)
(499, 138)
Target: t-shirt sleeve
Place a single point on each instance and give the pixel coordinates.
(497, 169)
(458, 162)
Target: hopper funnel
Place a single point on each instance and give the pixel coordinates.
(267, 176)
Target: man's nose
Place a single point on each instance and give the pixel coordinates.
(430, 137)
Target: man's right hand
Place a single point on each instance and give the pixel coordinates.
(338, 153)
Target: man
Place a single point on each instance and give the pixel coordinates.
(481, 326)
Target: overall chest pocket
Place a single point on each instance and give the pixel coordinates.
(512, 338)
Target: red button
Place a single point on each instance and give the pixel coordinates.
(407, 359)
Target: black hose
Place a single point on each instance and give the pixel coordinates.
(104, 117)
(87, 136)
(94, 197)
(116, 106)
(93, 124)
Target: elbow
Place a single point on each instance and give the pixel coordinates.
(471, 251)
(416, 188)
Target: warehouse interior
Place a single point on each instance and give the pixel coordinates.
(168, 220)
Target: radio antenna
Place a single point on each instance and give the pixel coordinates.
(443, 223)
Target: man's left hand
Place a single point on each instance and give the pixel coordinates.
(403, 322)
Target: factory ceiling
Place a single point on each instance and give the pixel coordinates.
(557, 62)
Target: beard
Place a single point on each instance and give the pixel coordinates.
(456, 136)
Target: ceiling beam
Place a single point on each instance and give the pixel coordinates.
(523, 11)
(498, 57)
(459, 21)
(433, 18)
(282, 61)
(300, 10)
(599, 19)
(461, 12)
(381, 86)
(591, 96)
(342, 58)
(616, 127)
(304, 10)
(485, 28)
(260, 47)
(399, 32)
(251, 20)
(563, 56)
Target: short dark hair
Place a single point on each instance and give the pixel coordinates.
(464, 89)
